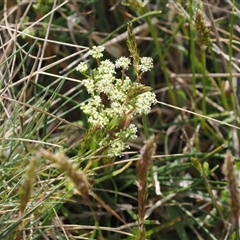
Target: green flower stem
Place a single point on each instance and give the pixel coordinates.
(145, 126)
(193, 66)
(196, 163)
(204, 81)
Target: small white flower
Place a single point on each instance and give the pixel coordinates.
(89, 85)
(99, 120)
(82, 67)
(126, 133)
(123, 62)
(96, 101)
(106, 67)
(117, 95)
(132, 131)
(123, 85)
(146, 63)
(96, 51)
(93, 106)
(116, 109)
(105, 85)
(117, 147)
(144, 102)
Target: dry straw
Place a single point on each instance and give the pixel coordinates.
(65, 165)
(143, 165)
(26, 186)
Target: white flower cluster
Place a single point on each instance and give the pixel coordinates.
(110, 103)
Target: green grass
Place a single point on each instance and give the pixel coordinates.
(196, 121)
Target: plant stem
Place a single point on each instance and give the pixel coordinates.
(204, 81)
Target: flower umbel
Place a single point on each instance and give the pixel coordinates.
(123, 62)
(146, 64)
(96, 51)
(82, 67)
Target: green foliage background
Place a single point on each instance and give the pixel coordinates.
(196, 120)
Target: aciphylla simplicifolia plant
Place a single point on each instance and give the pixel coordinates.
(114, 101)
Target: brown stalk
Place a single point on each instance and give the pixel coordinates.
(143, 165)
